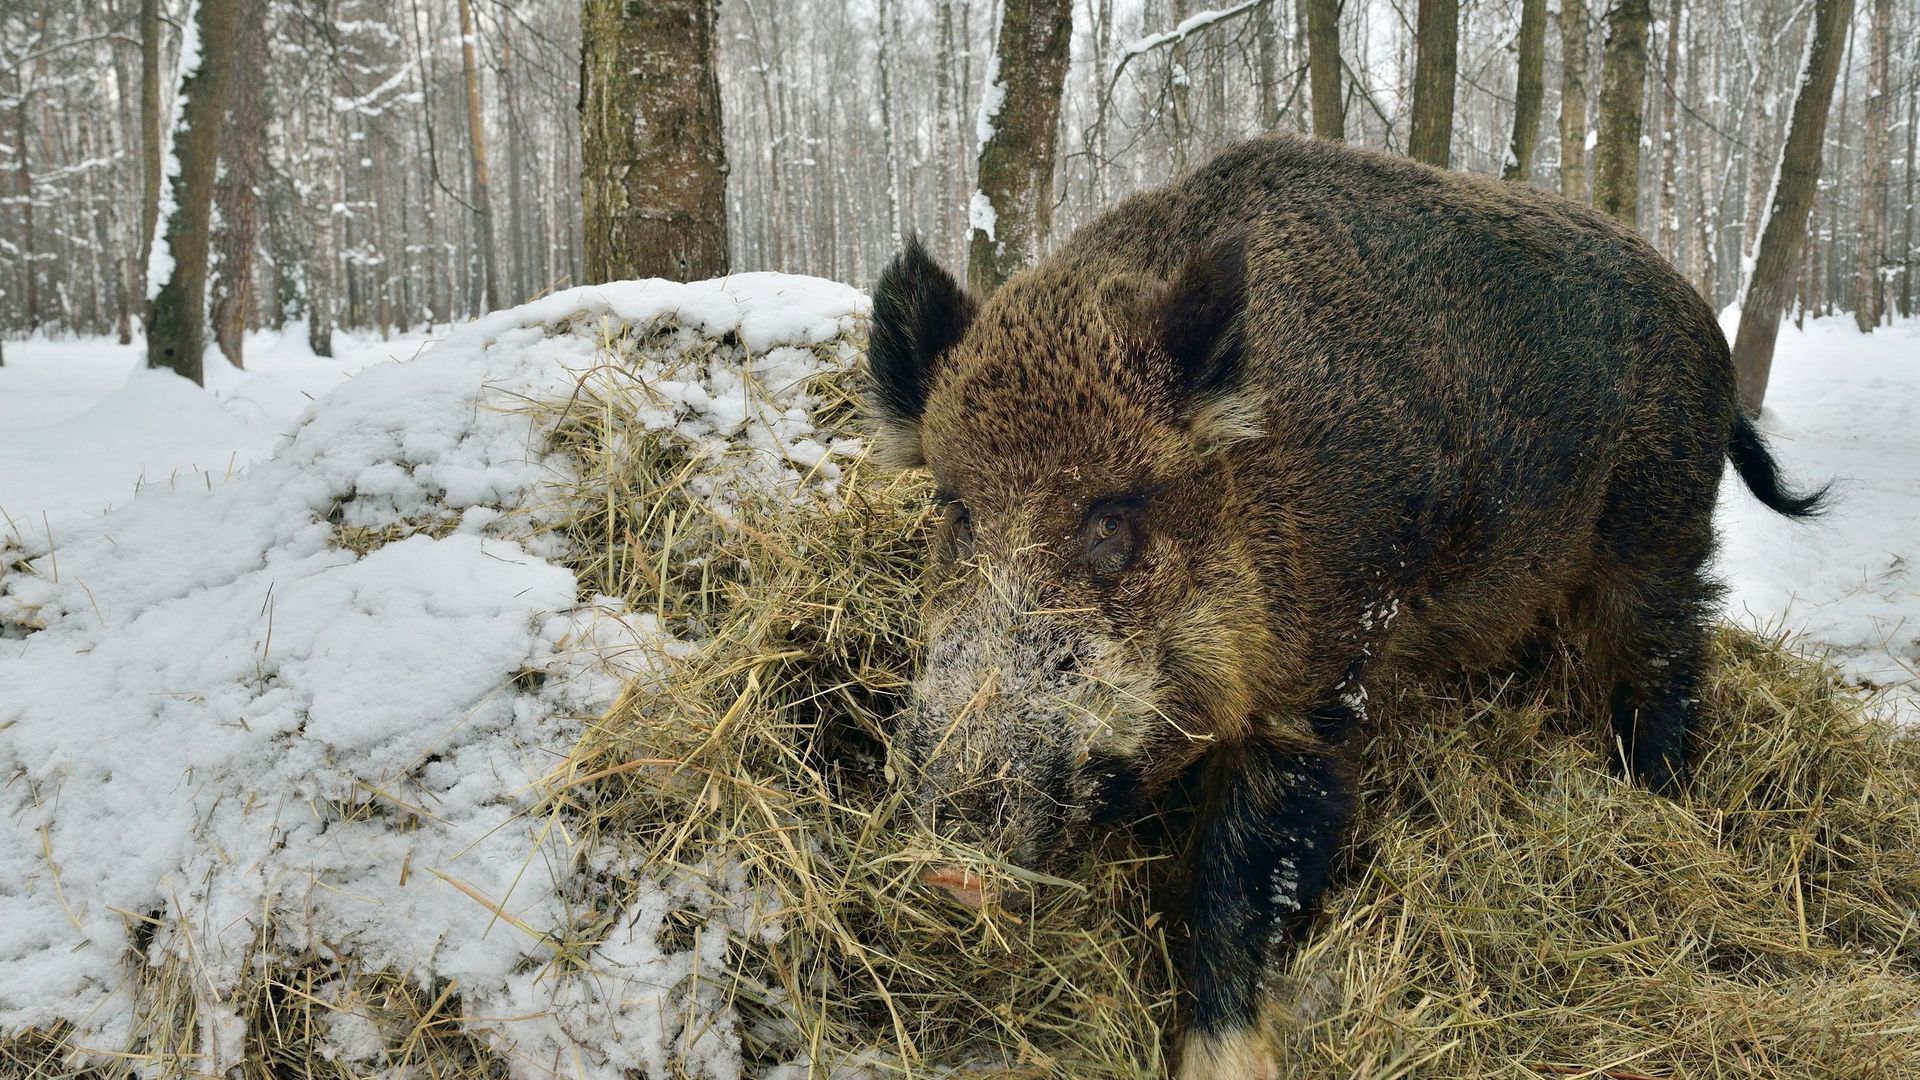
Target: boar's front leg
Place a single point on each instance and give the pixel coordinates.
(1274, 819)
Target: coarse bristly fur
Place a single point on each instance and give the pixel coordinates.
(1305, 418)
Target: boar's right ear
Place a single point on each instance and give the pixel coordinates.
(919, 312)
(1201, 324)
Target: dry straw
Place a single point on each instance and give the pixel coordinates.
(1509, 908)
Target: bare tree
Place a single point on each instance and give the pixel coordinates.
(477, 152)
(1323, 68)
(242, 153)
(150, 134)
(1529, 89)
(1868, 285)
(1765, 294)
(1437, 48)
(177, 317)
(1012, 208)
(1616, 164)
(1573, 99)
(653, 166)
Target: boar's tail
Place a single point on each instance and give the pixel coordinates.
(1762, 475)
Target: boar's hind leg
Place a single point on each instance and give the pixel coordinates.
(1654, 640)
(1274, 820)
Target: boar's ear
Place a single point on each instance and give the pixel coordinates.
(919, 312)
(1201, 324)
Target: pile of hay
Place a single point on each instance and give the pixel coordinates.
(1509, 908)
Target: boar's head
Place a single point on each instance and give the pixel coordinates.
(1093, 613)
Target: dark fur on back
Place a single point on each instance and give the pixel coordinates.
(1303, 418)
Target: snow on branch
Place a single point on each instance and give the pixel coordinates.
(1189, 26)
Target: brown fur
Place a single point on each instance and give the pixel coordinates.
(1368, 417)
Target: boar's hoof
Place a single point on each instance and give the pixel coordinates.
(1229, 1055)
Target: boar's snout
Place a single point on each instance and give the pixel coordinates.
(1004, 719)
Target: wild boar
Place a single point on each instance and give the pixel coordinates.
(1304, 418)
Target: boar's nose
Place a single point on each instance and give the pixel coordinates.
(959, 884)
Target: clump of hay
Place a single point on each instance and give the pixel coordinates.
(1509, 907)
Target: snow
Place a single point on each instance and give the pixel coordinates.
(993, 94)
(217, 715)
(1192, 24)
(981, 215)
(1840, 405)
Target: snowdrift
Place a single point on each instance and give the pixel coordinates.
(524, 716)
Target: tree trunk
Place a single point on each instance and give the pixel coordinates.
(1670, 141)
(1906, 226)
(1529, 89)
(1266, 46)
(23, 193)
(653, 168)
(1323, 68)
(241, 152)
(1573, 99)
(177, 319)
(889, 39)
(1871, 256)
(1013, 205)
(150, 135)
(477, 145)
(1437, 45)
(1793, 191)
(518, 203)
(1616, 155)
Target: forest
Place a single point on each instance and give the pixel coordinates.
(392, 166)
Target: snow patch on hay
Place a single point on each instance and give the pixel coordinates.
(310, 707)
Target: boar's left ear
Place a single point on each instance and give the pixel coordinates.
(1201, 324)
(919, 312)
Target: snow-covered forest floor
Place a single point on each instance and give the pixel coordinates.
(330, 653)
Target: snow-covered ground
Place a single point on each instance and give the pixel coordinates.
(1844, 406)
(83, 424)
(218, 718)
(235, 723)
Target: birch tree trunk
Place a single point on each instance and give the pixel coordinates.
(1616, 155)
(1323, 69)
(1529, 89)
(1867, 305)
(1012, 207)
(1573, 99)
(177, 317)
(1267, 101)
(653, 168)
(1785, 230)
(241, 157)
(477, 150)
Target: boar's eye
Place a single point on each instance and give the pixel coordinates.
(1110, 535)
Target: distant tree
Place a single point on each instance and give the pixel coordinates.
(1012, 207)
(1868, 282)
(1323, 69)
(150, 134)
(1437, 45)
(1765, 294)
(1573, 99)
(477, 154)
(1616, 165)
(653, 166)
(177, 317)
(242, 158)
(1529, 88)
